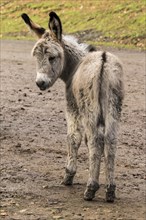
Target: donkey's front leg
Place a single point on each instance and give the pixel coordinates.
(74, 141)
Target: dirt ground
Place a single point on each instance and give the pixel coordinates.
(33, 146)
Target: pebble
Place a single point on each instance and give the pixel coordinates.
(57, 217)
(18, 145)
(77, 217)
(19, 64)
(22, 108)
(3, 214)
(85, 209)
(45, 187)
(23, 210)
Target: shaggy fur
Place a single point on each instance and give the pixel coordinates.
(94, 94)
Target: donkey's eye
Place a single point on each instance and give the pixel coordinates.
(51, 59)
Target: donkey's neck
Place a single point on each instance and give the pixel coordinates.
(73, 55)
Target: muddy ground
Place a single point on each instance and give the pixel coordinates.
(33, 146)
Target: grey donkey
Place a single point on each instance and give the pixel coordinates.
(94, 94)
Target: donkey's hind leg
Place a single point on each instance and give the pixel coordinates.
(95, 147)
(110, 144)
(109, 157)
(74, 140)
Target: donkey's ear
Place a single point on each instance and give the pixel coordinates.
(55, 25)
(39, 31)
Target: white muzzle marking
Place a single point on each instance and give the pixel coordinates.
(43, 81)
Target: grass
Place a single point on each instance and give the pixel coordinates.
(120, 21)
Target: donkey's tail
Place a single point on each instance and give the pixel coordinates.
(101, 118)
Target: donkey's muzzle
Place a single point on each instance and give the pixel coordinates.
(41, 84)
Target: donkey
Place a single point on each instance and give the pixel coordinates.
(94, 94)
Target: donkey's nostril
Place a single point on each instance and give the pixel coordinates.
(40, 83)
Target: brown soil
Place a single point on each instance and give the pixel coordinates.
(33, 146)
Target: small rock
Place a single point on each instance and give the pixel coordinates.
(3, 214)
(57, 217)
(22, 108)
(45, 187)
(77, 217)
(19, 63)
(23, 210)
(18, 145)
(85, 209)
(25, 169)
(124, 175)
(32, 140)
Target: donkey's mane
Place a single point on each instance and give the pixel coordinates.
(75, 42)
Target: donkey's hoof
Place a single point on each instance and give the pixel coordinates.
(110, 194)
(68, 180)
(110, 198)
(90, 191)
(89, 194)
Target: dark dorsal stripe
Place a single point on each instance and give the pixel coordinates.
(101, 120)
(103, 57)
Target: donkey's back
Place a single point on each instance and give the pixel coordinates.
(98, 83)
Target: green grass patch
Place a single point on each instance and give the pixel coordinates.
(121, 21)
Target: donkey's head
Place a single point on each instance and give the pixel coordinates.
(48, 50)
